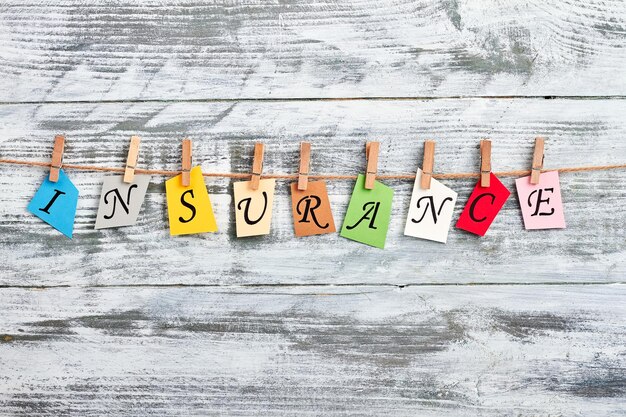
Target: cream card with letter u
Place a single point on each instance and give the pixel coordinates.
(253, 208)
(430, 211)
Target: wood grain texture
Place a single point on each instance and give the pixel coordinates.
(172, 50)
(428, 351)
(591, 249)
(321, 325)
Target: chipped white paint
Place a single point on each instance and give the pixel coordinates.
(428, 351)
(73, 50)
(374, 349)
(579, 132)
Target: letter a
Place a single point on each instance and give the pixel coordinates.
(369, 207)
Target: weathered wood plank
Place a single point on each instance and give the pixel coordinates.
(465, 351)
(591, 249)
(316, 350)
(77, 50)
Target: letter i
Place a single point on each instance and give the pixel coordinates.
(56, 195)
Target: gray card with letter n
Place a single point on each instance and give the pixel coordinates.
(120, 202)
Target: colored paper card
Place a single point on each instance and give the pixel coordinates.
(311, 210)
(542, 207)
(369, 211)
(483, 206)
(120, 202)
(430, 211)
(253, 208)
(189, 208)
(55, 203)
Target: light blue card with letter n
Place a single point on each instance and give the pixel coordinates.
(55, 203)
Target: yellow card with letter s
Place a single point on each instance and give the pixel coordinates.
(189, 208)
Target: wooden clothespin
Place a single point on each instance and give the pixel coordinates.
(485, 163)
(305, 158)
(371, 153)
(57, 158)
(131, 160)
(428, 164)
(186, 172)
(257, 165)
(535, 172)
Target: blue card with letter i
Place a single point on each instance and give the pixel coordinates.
(55, 203)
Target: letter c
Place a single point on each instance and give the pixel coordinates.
(473, 206)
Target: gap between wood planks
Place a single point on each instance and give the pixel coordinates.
(304, 285)
(295, 99)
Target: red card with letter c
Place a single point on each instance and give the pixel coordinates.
(483, 206)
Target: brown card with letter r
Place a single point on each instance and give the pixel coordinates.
(311, 210)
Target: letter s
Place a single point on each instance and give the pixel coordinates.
(188, 205)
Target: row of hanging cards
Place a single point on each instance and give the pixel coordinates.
(367, 218)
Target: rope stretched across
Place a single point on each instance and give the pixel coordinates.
(460, 175)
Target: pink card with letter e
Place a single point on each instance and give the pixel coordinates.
(541, 204)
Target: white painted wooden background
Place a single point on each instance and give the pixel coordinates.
(134, 322)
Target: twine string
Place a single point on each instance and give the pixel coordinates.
(453, 176)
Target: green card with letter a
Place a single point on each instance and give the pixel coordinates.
(369, 211)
